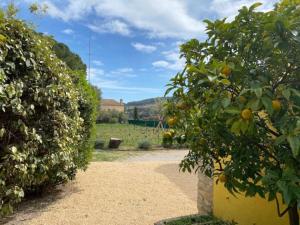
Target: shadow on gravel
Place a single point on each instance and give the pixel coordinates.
(187, 182)
(33, 206)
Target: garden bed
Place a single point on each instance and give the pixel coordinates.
(194, 220)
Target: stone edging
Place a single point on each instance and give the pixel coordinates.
(163, 222)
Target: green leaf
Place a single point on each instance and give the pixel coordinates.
(254, 6)
(267, 102)
(272, 196)
(235, 128)
(294, 142)
(244, 126)
(280, 139)
(258, 92)
(233, 110)
(286, 93)
(225, 81)
(254, 104)
(225, 102)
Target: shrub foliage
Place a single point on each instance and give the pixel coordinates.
(46, 114)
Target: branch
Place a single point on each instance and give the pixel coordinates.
(267, 128)
(278, 208)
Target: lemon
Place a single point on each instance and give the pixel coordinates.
(2, 38)
(222, 178)
(172, 121)
(276, 105)
(167, 135)
(246, 114)
(226, 70)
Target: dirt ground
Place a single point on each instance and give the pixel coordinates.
(138, 191)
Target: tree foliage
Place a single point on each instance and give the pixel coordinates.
(46, 113)
(238, 102)
(72, 60)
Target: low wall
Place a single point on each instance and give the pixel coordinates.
(245, 210)
(205, 194)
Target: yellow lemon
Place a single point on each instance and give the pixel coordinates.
(246, 114)
(167, 135)
(172, 121)
(2, 38)
(226, 70)
(276, 105)
(222, 178)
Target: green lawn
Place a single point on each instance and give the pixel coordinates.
(130, 134)
(109, 156)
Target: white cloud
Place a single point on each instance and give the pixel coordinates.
(117, 85)
(68, 31)
(123, 70)
(229, 8)
(113, 26)
(96, 73)
(168, 18)
(161, 63)
(171, 61)
(144, 48)
(97, 62)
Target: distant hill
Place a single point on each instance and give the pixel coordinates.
(147, 109)
(145, 102)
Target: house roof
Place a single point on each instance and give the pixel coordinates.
(111, 102)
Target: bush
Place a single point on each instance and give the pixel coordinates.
(99, 144)
(145, 145)
(168, 137)
(88, 105)
(45, 116)
(112, 116)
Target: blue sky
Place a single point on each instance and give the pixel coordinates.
(134, 43)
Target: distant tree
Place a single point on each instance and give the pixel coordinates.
(72, 60)
(135, 113)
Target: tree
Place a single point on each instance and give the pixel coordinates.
(241, 88)
(72, 60)
(135, 113)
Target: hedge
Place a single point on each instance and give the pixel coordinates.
(45, 116)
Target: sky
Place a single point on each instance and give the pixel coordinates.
(134, 43)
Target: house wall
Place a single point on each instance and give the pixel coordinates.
(245, 210)
(112, 107)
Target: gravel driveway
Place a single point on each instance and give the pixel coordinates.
(139, 191)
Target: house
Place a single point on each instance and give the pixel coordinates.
(111, 104)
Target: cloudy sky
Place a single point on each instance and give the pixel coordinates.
(134, 43)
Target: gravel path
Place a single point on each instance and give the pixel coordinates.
(138, 191)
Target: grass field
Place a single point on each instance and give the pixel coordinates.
(109, 156)
(130, 134)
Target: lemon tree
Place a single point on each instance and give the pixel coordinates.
(242, 88)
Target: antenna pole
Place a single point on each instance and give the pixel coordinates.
(90, 57)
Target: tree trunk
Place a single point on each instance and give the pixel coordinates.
(293, 215)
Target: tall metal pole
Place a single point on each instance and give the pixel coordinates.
(89, 57)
